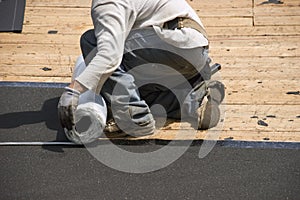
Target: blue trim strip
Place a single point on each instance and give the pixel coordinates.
(32, 84)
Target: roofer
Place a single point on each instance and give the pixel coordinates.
(145, 53)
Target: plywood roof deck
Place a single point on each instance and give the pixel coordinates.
(257, 43)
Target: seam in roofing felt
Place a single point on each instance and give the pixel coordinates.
(260, 144)
(228, 144)
(38, 144)
(33, 84)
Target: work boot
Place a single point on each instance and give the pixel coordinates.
(209, 111)
(112, 127)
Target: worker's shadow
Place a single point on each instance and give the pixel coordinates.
(47, 114)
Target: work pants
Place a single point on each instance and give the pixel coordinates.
(153, 74)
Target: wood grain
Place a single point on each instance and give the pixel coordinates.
(257, 43)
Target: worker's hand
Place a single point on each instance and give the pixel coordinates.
(67, 105)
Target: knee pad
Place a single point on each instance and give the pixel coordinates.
(216, 91)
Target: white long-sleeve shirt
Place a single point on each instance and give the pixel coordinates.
(114, 19)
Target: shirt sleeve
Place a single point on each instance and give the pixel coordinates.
(112, 21)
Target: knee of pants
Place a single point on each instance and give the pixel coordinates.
(135, 120)
(147, 127)
(143, 126)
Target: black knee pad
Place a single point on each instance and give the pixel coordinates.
(216, 91)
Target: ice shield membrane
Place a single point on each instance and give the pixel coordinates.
(90, 115)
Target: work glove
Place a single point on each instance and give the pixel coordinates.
(67, 105)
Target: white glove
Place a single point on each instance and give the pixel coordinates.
(67, 105)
